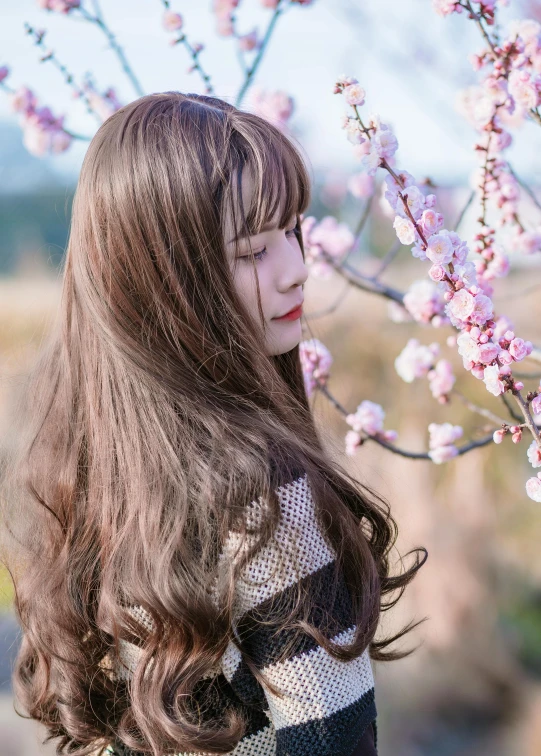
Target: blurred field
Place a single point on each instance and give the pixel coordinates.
(473, 686)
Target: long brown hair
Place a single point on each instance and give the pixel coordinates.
(152, 417)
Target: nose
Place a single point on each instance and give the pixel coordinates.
(292, 269)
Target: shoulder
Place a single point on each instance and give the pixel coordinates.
(297, 549)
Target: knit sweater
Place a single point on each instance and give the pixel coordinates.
(328, 707)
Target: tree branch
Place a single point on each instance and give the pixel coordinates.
(395, 449)
(251, 71)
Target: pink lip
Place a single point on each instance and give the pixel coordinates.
(293, 314)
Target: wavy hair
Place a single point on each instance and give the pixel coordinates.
(151, 418)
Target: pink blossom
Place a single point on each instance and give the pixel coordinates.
(392, 187)
(4, 72)
(466, 273)
(502, 325)
(444, 434)
(431, 222)
(368, 417)
(361, 185)
(22, 100)
(498, 267)
(371, 160)
(524, 89)
(269, 3)
(446, 7)
(415, 360)
(441, 379)
(415, 201)
(276, 106)
(437, 273)
(533, 488)
(249, 41)
(488, 352)
(482, 309)
(353, 441)
(385, 143)
(536, 405)
(534, 454)
(492, 380)
(527, 242)
(103, 104)
(440, 249)
(224, 26)
(354, 94)
(354, 134)
(172, 21)
(423, 300)
(476, 106)
(468, 348)
(316, 361)
(461, 305)
(520, 349)
(397, 313)
(60, 6)
(442, 439)
(405, 230)
(498, 436)
(223, 9)
(335, 238)
(442, 454)
(344, 81)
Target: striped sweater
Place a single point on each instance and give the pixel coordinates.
(328, 707)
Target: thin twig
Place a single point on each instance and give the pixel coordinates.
(464, 210)
(525, 186)
(395, 449)
(69, 78)
(479, 410)
(193, 54)
(363, 282)
(251, 71)
(387, 260)
(525, 409)
(359, 230)
(100, 23)
(510, 407)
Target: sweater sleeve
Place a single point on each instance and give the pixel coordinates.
(327, 706)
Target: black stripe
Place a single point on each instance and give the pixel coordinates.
(330, 614)
(335, 735)
(215, 695)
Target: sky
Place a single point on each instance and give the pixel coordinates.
(410, 61)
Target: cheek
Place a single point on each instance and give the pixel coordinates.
(246, 288)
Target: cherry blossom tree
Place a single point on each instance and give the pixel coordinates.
(455, 289)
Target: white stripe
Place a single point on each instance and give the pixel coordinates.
(230, 660)
(316, 685)
(263, 743)
(297, 549)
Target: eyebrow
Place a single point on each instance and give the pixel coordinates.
(266, 227)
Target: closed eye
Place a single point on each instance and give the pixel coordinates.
(260, 254)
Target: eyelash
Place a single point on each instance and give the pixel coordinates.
(263, 251)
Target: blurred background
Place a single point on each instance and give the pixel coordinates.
(473, 686)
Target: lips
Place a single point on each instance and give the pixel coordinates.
(293, 309)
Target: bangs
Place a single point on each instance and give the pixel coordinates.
(281, 184)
